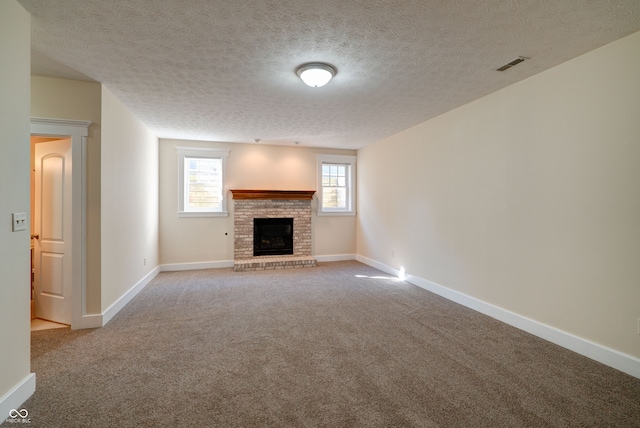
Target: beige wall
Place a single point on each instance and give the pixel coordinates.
(122, 161)
(15, 25)
(527, 199)
(76, 100)
(250, 166)
(129, 160)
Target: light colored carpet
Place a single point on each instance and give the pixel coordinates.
(339, 345)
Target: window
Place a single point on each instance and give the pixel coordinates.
(201, 189)
(336, 184)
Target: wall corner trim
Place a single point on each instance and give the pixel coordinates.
(610, 357)
(16, 397)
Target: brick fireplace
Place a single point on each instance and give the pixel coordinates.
(265, 204)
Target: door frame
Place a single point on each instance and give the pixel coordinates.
(77, 130)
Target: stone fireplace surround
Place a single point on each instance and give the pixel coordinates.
(250, 204)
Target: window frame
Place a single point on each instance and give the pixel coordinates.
(350, 163)
(205, 153)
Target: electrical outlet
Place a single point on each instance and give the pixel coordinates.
(144, 261)
(638, 326)
(19, 221)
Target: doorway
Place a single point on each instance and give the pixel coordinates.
(58, 220)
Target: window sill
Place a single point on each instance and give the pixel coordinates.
(336, 213)
(182, 214)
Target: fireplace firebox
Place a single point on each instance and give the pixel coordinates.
(272, 236)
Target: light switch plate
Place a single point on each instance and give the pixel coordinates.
(19, 221)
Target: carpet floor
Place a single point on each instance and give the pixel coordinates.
(339, 345)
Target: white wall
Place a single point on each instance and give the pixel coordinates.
(250, 166)
(16, 383)
(129, 200)
(527, 199)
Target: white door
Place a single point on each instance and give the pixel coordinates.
(52, 230)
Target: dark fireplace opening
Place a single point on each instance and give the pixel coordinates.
(272, 236)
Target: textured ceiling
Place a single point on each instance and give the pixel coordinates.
(224, 70)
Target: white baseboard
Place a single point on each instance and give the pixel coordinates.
(335, 258)
(607, 356)
(126, 297)
(15, 398)
(173, 267)
(380, 266)
(87, 321)
(100, 320)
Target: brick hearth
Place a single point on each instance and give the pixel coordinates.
(250, 204)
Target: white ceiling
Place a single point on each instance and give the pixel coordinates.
(224, 70)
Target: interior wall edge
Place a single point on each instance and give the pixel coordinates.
(18, 395)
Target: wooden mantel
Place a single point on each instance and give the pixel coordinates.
(272, 194)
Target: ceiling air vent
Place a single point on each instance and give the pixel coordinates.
(512, 63)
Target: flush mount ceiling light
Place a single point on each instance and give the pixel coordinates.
(316, 74)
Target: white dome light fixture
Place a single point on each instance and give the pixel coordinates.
(316, 74)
